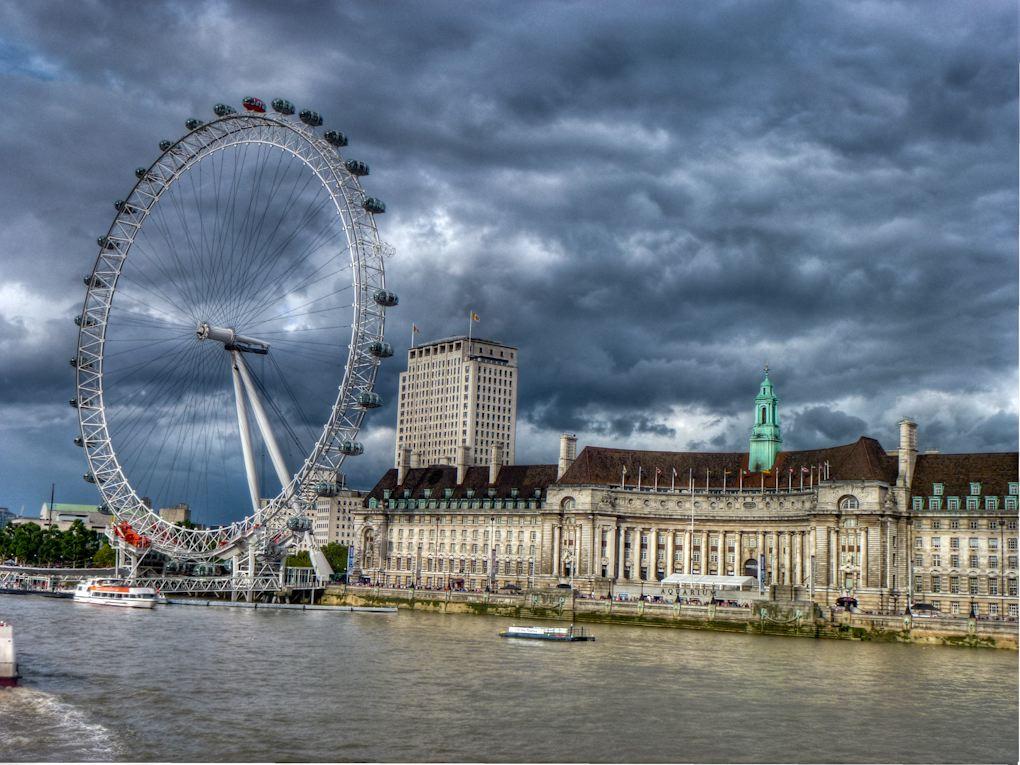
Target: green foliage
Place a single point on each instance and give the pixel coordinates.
(105, 557)
(31, 544)
(301, 560)
(336, 554)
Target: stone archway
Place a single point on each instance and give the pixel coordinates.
(751, 567)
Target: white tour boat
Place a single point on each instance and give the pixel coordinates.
(112, 592)
(569, 634)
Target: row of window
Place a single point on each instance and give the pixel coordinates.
(974, 543)
(972, 503)
(938, 489)
(972, 585)
(973, 561)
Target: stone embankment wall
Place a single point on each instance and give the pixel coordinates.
(798, 619)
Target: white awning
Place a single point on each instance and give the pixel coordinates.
(715, 581)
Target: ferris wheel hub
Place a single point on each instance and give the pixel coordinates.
(231, 340)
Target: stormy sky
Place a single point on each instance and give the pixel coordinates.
(651, 200)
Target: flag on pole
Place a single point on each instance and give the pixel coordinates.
(414, 332)
(474, 316)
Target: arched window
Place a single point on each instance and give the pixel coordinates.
(849, 503)
(762, 420)
(568, 503)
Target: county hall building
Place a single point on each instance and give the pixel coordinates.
(890, 528)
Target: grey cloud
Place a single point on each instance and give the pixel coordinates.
(830, 188)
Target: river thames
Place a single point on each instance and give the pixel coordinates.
(186, 683)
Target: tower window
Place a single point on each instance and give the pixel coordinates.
(762, 421)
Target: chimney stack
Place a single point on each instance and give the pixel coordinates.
(495, 462)
(568, 453)
(404, 465)
(415, 460)
(907, 454)
(462, 463)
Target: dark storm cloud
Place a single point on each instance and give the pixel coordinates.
(650, 200)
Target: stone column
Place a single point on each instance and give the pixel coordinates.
(863, 542)
(688, 544)
(611, 551)
(653, 554)
(722, 552)
(555, 550)
(704, 552)
(669, 551)
(621, 534)
(789, 557)
(797, 539)
(635, 553)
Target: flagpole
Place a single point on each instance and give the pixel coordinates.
(470, 322)
(639, 478)
(412, 335)
(690, 481)
(802, 479)
(672, 481)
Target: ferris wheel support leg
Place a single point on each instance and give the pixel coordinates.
(275, 455)
(242, 424)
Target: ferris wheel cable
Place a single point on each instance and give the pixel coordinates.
(269, 399)
(310, 249)
(305, 419)
(188, 436)
(140, 426)
(180, 275)
(152, 289)
(308, 281)
(169, 487)
(184, 343)
(291, 311)
(147, 475)
(150, 342)
(305, 329)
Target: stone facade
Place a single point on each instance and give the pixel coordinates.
(457, 399)
(888, 528)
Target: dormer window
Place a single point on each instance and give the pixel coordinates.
(470, 493)
(975, 488)
(427, 493)
(492, 492)
(991, 503)
(952, 503)
(407, 493)
(918, 503)
(972, 503)
(1014, 488)
(386, 493)
(1010, 502)
(447, 493)
(513, 493)
(937, 489)
(934, 503)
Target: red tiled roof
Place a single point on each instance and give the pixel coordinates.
(994, 471)
(525, 478)
(864, 459)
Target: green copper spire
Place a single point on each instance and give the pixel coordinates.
(765, 437)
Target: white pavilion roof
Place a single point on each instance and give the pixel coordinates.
(710, 580)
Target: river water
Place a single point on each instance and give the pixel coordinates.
(187, 683)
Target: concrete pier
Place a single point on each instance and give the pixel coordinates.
(8, 659)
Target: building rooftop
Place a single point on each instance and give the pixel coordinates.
(437, 478)
(993, 470)
(455, 338)
(864, 459)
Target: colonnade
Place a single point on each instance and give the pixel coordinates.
(628, 552)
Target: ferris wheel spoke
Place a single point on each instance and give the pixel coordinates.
(257, 282)
(291, 312)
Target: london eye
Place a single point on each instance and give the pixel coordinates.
(231, 333)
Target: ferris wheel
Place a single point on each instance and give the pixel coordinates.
(231, 333)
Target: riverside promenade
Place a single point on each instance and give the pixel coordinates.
(794, 619)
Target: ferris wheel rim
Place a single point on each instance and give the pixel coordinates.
(360, 369)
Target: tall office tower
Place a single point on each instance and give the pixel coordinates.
(457, 392)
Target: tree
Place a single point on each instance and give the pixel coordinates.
(105, 557)
(6, 541)
(51, 546)
(301, 560)
(76, 544)
(27, 540)
(336, 554)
